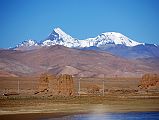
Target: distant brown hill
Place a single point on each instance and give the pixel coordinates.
(62, 60)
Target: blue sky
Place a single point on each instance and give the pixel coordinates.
(35, 19)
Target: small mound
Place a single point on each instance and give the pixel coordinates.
(70, 70)
(7, 74)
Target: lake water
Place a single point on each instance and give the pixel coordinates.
(113, 116)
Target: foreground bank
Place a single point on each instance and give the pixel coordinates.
(34, 108)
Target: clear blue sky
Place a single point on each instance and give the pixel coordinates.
(35, 19)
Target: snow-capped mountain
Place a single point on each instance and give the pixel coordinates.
(112, 42)
(28, 43)
(109, 38)
(59, 37)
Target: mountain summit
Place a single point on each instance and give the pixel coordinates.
(109, 38)
(59, 37)
(28, 43)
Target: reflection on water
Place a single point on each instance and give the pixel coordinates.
(113, 116)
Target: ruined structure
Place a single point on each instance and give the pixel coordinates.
(61, 85)
(149, 80)
(93, 89)
(65, 85)
(43, 82)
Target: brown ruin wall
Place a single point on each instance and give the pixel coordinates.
(149, 80)
(61, 85)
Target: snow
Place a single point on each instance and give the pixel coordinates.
(59, 37)
(116, 38)
(156, 45)
(87, 43)
(28, 43)
(48, 43)
(63, 35)
(108, 38)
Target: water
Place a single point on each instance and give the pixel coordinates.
(113, 116)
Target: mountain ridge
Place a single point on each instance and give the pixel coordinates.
(112, 42)
(59, 37)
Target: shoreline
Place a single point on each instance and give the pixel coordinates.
(34, 116)
(34, 109)
(38, 116)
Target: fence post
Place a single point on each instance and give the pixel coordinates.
(103, 87)
(18, 86)
(79, 86)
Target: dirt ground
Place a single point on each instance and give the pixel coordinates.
(28, 85)
(120, 95)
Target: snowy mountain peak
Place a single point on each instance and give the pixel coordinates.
(108, 38)
(60, 32)
(28, 43)
(59, 37)
(116, 38)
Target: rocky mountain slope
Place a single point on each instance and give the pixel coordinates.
(82, 63)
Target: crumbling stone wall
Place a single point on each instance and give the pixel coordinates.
(65, 85)
(149, 80)
(61, 85)
(43, 82)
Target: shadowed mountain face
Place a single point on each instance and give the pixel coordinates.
(60, 60)
(135, 52)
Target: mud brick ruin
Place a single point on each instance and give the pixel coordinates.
(149, 80)
(61, 85)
